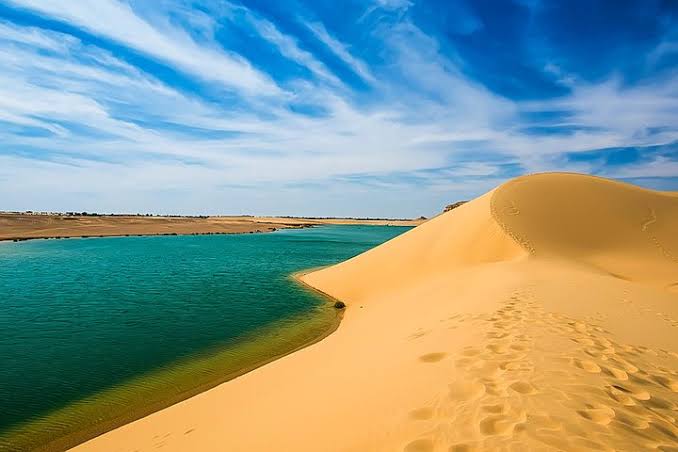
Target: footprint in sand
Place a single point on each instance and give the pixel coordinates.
(636, 393)
(579, 327)
(598, 413)
(418, 334)
(515, 365)
(545, 422)
(498, 347)
(466, 390)
(511, 209)
(659, 430)
(490, 370)
(523, 387)
(462, 447)
(499, 408)
(658, 403)
(496, 425)
(633, 420)
(667, 382)
(587, 365)
(519, 347)
(421, 414)
(432, 357)
(500, 424)
(496, 334)
(583, 340)
(625, 365)
(615, 373)
(620, 396)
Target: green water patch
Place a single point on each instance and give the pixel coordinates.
(153, 391)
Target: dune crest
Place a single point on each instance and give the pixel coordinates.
(621, 228)
(464, 237)
(541, 316)
(617, 228)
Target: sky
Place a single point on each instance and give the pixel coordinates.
(380, 108)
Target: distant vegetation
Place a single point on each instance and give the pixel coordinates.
(454, 205)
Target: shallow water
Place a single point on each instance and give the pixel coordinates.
(99, 331)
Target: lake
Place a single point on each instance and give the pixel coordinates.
(98, 332)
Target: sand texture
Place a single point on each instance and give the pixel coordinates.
(15, 226)
(540, 316)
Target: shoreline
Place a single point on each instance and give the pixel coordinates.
(170, 234)
(24, 227)
(274, 336)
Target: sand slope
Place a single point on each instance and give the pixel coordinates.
(626, 231)
(540, 316)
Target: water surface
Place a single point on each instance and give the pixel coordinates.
(98, 331)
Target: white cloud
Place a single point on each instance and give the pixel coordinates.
(117, 21)
(657, 167)
(341, 50)
(394, 4)
(289, 48)
(34, 37)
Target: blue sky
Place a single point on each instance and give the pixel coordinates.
(351, 108)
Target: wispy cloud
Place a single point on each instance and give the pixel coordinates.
(289, 48)
(341, 50)
(117, 21)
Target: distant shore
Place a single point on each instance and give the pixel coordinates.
(29, 226)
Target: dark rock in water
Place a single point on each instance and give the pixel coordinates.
(339, 305)
(454, 205)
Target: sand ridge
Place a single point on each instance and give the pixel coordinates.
(622, 229)
(540, 316)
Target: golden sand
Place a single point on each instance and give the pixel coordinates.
(540, 316)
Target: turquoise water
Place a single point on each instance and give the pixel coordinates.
(79, 317)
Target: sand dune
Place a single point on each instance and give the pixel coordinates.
(540, 316)
(626, 231)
